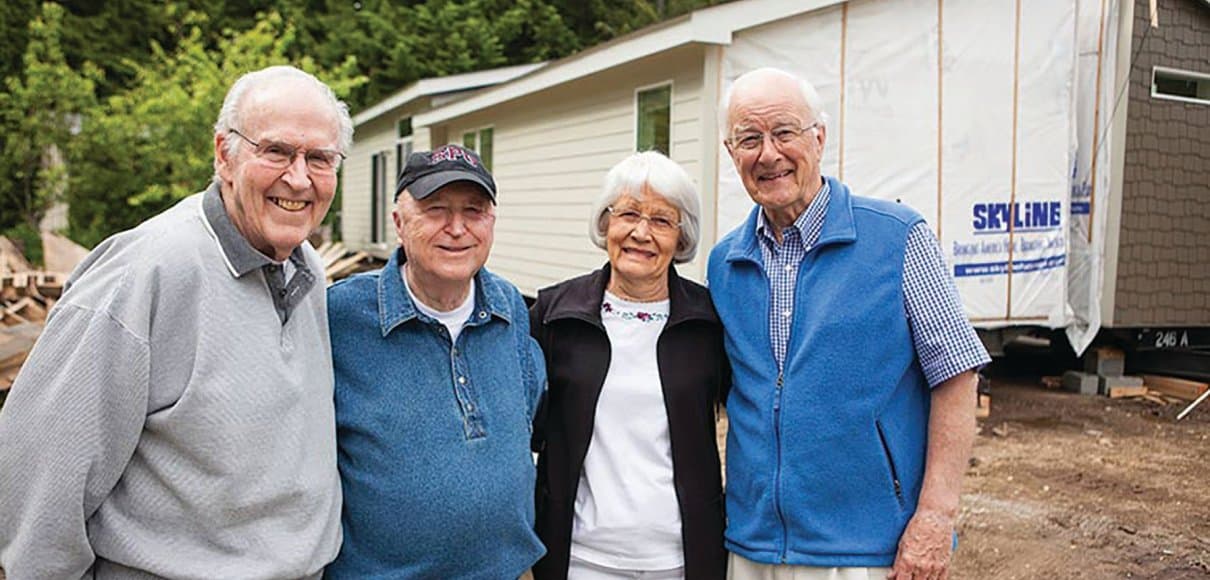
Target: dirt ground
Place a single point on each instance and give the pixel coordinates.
(1069, 486)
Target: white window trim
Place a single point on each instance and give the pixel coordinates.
(385, 208)
(634, 127)
(1175, 72)
(478, 131)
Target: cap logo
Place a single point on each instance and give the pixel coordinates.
(451, 153)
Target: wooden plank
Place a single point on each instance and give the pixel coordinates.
(16, 360)
(1154, 398)
(346, 265)
(16, 342)
(1180, 388)
(984, 406)
(1051, 382)
(1123, 392)
(60, 254)
(11, 259)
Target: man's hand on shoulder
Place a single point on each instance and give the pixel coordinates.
(925, 548)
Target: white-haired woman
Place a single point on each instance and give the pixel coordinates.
(628, 470)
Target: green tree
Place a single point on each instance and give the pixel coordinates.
(14, 33)
(151, 145)
(39, 111)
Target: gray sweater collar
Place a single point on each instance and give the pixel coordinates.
(240, 254)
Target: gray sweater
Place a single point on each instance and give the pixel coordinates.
(168, 423)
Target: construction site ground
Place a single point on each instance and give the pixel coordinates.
(1063, 485)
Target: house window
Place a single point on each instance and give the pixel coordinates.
(480, 141)
(1180, 85)
(653, 113)
(403, 144)
(379, 193)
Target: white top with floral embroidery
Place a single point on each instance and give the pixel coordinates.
(627, 514)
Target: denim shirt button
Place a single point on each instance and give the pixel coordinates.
(462, 380)
(482, 314)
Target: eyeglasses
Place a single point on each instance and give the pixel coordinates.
(752, 141)
(280, 155)
(657, 223)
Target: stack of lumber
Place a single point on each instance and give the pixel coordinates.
(26, 296)
(339, 262)
(1161, 390)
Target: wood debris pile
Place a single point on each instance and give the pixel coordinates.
(26, 296)
(340, 263)
(1158, 389)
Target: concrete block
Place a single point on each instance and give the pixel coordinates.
(1109, 382)
(1105, 361)
(1078, 382)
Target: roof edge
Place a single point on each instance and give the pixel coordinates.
(447, 84)
(711, 25)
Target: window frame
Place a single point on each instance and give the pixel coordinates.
(477, 147)
(638, 91)
(379, 193)
(403, 142)
(1200, 78)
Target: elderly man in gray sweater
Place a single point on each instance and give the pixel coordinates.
(176, 417)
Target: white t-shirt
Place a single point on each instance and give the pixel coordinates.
(627, 514)
(453, 320)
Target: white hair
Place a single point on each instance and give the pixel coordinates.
(664, 177)
(230, 116)
(809, 95)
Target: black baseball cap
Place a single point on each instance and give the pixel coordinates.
(428, 171)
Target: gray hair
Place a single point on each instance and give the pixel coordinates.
(230, 115)
(809, 95)
(666, 178)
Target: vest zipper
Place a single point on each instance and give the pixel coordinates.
(777, 476)
(890, 461)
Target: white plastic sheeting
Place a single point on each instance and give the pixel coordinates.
(966, 111)
(1096, 100)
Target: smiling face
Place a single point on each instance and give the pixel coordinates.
(445, 236)
(276, 209)
(780, 177)
(639, 254)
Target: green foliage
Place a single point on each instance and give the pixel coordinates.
(14, 32)
(397, 44)
(37, 112)
(596, 21)
(151, 145)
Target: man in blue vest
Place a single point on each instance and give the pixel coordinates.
(852, 408)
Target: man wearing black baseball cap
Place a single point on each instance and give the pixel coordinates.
(437, 382)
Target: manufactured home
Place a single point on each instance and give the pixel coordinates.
(1060, 149)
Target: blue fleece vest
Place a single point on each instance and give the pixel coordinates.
(824, 462)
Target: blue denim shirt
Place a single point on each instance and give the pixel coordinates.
(433, 437)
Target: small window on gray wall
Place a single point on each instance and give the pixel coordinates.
(654, 119)
(1180, 85)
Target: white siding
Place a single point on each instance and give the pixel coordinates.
(552, 150)
(371, 137)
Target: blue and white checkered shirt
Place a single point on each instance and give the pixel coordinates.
(944, 340)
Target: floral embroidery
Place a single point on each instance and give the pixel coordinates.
(641, 316)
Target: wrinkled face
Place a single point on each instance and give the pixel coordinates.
(781, 175)
(276, 208)
(447, 235)
(639, 251)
